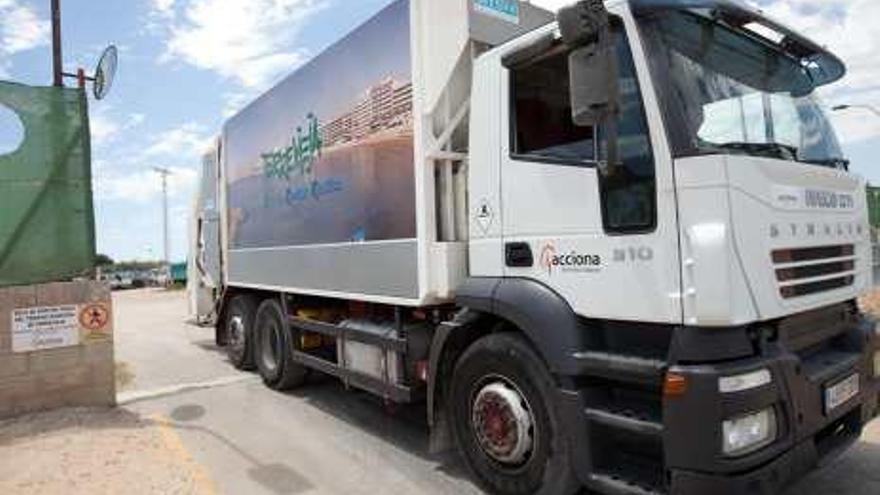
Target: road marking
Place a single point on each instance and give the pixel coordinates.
(175, 449)
(125, 398)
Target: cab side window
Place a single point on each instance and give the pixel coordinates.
(542, 127)
(629, 195)
(543, 131)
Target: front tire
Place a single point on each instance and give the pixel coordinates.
(505, 420)
(239, 323)
(275, 343)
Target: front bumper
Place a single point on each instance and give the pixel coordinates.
(692, 422)
(678, 448)
(770, 478)
(808, 437)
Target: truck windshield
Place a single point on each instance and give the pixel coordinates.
(728, 90)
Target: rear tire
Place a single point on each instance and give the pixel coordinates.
(505, 420)
(275, 343)
(239, 324)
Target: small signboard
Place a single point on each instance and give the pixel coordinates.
(35, 329)
(507, 10)
(49, 327)
(94, 322)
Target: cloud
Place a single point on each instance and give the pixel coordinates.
(233, 102)
(187, 141)
(247, 41)
(145, 185)
(105, 128)
(164, 8)
(21, 28)
(126, 174)
(126, 186)
(552, 5)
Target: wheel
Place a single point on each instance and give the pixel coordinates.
(275, 343)
(505, 421)
(239, 331)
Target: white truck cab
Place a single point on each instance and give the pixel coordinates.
(719, 177)
(622, 250)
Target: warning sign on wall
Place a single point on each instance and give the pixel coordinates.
(94, 322)
(34, 329)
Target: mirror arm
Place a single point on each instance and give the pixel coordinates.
(606, 43)
(585, 28)
(76, 76)
(612, 152)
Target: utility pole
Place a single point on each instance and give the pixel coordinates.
(164, 173)
(57, 64)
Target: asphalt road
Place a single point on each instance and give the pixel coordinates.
(321, 439)
(156, 346)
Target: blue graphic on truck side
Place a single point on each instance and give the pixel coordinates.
(507, 10)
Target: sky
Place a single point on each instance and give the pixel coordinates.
(187, 65)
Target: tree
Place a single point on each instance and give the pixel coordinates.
(103, 260)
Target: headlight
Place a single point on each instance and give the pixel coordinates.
(749, 433)
(746, 381)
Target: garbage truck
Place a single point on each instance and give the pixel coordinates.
(615, 247)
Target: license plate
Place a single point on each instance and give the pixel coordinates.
(841, 392)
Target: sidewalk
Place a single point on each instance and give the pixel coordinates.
(82, 451)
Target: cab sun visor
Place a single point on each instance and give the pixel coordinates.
(822, 66)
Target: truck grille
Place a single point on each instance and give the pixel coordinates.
(805, 271)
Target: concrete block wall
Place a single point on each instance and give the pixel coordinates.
(78, 375)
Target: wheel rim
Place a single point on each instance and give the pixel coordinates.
(236, 332)
(503, 422)
(271, 343)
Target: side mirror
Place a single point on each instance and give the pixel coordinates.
(586, 28)
(593, 76)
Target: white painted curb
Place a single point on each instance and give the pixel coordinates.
(124, 398)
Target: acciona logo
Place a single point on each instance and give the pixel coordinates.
(572, 261)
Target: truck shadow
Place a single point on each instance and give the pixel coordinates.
(277, 478)
(856, 472)
(405, 426)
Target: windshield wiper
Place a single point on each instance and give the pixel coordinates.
(784, 151)
(838, 163)
(779, 150)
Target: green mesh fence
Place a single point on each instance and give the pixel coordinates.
(47, 225)
(874, 206)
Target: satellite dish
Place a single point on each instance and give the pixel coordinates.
(105, 73)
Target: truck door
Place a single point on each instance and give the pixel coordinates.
(606, 242)
(206, 243)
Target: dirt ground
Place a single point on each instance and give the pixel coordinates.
(83, 451)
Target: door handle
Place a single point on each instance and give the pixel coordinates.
(518, 255)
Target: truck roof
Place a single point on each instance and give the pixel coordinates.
(823, 66)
